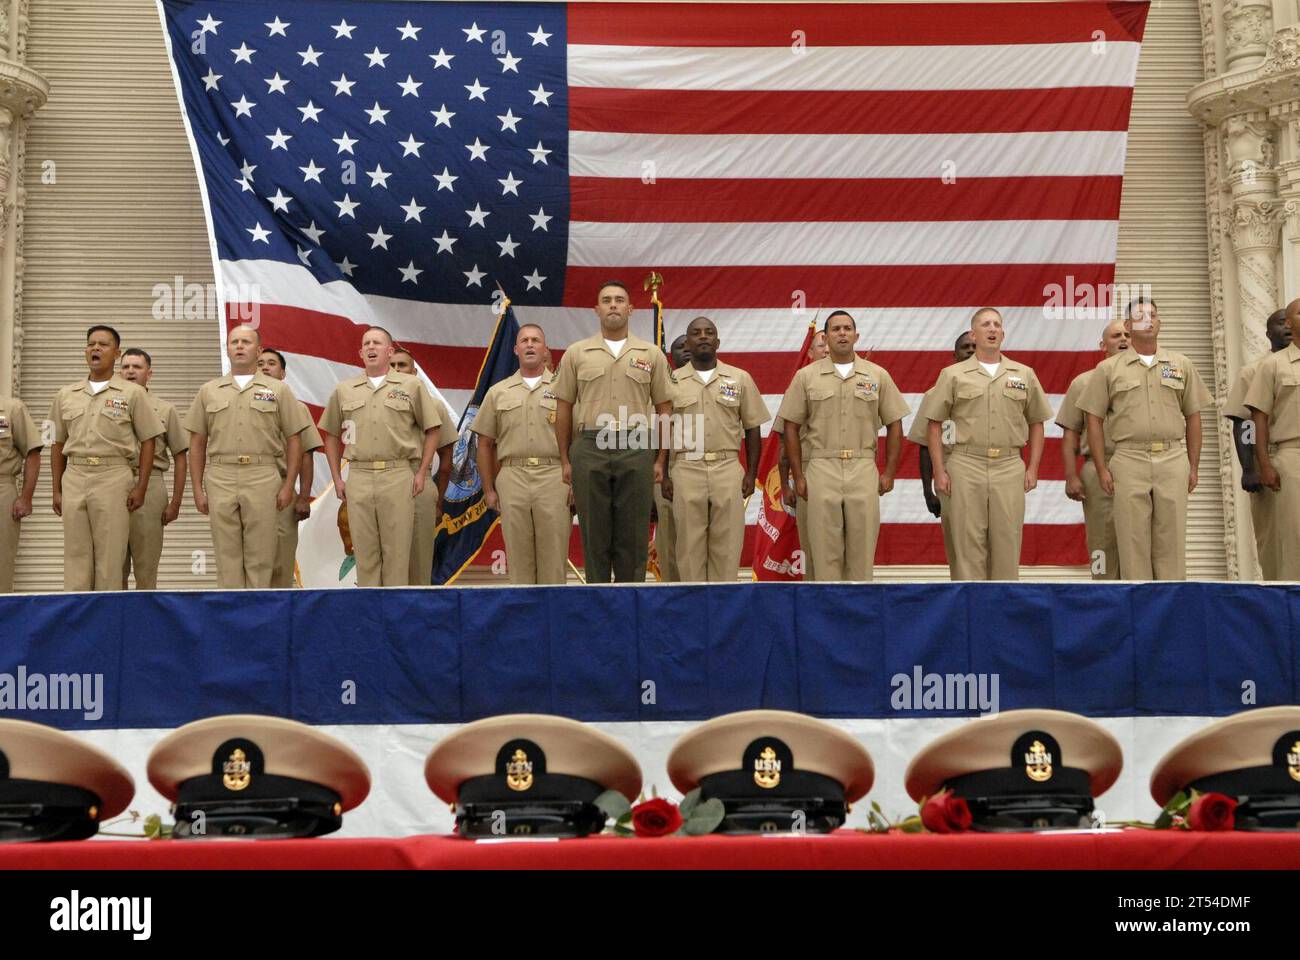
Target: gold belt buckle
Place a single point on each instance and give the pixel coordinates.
(245, 459)
(846, 454)
(995, 452)
(533, 461)
(710, 457)
(1157, 446)
(380, 464)
(92, 461)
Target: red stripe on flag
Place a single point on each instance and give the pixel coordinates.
(849, 24)
(719, 112)
(608, 200)
(920, 286)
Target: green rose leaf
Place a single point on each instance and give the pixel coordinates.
(688, 804)
(704, 818)
(613, 805)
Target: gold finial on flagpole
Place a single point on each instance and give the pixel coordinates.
(652, 283)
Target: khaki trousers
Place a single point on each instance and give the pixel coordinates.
(381, 516)
(945, 521)
(1151, 512)
(805, 536)
(1263, 518)
(709, 513)
(96, 525)
(286, 549)
(1287, 518)
(144, 547)
(423, 527)
(535, 522)
(241, 512)
(843, 517)
(988, 516)
(666, 538)
(1099, 525)
(9, 528)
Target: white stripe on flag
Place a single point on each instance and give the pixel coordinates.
(866, 155)
(964, 67)
(888, 244)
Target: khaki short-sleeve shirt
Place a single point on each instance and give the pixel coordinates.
(727, 406)
(111, 423)
(1141, 403)
(175, 438)
(520, 420)
(841, 413)
(18, 436)
(255, 421)
(1276, 392)
(389, 423)
(1070, 417)
(607, 390)
(988, 411)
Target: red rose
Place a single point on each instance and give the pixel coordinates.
(656, 818)
(946, 813)
(1212, 812)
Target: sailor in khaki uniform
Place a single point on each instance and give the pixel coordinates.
(715, 407)
(833, 412)
(100, 425)
(20, 453)
(386, 419)
(1274, 399)
(145, 546)
(1147, 398)
(609, 388)
(271, 363)
(429, 504)
(919, 433)
(1081, 482)
(245, 429)
(1263, 501)
(997, 407)
(519, 462)
(665, 538)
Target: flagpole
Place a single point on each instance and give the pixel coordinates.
(652, 283)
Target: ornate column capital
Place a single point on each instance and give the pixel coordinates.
(1249, 24)
(1256, 224)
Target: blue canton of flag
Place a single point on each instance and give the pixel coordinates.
(419, 150)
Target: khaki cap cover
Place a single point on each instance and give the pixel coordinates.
(1234, 743)
(289, 749)
(718, 745)
(41, 753)
(985, 744)
(571, 748)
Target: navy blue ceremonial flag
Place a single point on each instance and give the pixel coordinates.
(467, 522)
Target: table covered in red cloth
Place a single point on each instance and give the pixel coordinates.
(1126, 850)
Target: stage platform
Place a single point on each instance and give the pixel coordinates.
(391, 671)
(1133, 849)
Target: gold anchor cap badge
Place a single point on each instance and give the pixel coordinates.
(767, 769)
(1038, 762)
(519, 771)
(237, 772)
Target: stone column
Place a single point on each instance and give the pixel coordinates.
(1254, 226)
(22, 93)
(1248, 25)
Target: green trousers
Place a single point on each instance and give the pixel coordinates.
(613, 489)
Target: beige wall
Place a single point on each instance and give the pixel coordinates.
(125, 215)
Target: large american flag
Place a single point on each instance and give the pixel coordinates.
(394, 163)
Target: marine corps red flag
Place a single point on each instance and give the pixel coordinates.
(776, 539)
